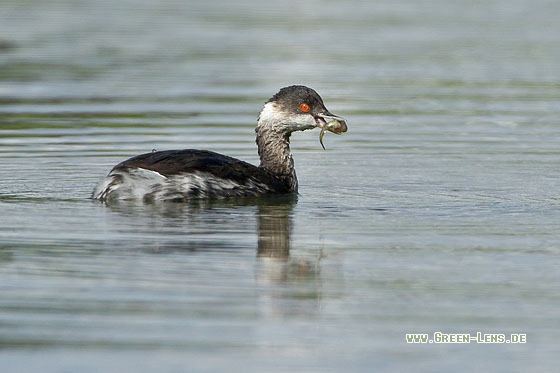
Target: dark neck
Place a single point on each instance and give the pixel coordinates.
(274, 151)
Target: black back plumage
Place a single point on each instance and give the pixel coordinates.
(175, 175)
(175, 162)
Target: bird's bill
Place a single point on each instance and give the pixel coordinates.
(325, 119)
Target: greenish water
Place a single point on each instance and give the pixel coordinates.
(438, 211)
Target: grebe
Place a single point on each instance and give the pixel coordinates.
(176, 175)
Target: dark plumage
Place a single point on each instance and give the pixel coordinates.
(186, 174)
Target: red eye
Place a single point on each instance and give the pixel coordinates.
(304, 107)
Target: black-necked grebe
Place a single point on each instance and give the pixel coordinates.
(176, 175)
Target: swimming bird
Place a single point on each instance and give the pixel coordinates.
(178, 175)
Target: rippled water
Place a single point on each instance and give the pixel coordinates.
(438, 211)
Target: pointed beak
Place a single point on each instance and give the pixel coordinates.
(330, 122)
(326, 117)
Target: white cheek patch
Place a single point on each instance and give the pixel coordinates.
(272, 114)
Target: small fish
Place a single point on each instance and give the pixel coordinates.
(321, 136)
(334, 126)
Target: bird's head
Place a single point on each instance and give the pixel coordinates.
(297, 108)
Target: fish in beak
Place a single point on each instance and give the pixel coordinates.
(329, 122)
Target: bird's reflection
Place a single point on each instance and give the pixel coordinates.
(274, 228)
(274, 242)
(288, 284)
(299, 292)
(218, 225)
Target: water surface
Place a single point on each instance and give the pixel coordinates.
(438, 211)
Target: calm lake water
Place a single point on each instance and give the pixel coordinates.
(438, 211)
